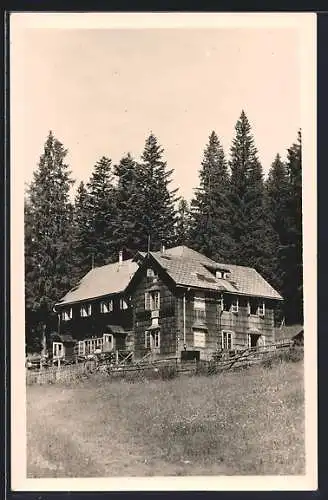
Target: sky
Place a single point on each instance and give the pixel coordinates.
(102, 91)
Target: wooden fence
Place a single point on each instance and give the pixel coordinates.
(158, 368)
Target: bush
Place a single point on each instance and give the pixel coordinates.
(292, 354)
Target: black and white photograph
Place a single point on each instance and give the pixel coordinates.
(163, 259)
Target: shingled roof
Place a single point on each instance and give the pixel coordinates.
(189, 268)
(185, 266)
(101, 281)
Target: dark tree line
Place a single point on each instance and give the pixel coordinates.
(235, 216)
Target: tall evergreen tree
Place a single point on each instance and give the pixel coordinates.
(211, 231)
(252, 231)
(291, 260)
(183, 223)
(126, 235)
(48, 222)
(156, 213)
(83, 232)
(101, 195)
(278, 193)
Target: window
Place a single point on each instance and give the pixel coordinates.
(234, 306)
(106, 306)
(156, 339)
(58, 349)
(152, 339)
(199, 338)
(221, 303)
(219, 274)
(261, 309)
(108, 338)
(123, 304)
(67, 315)
(227, 343)
(152, 301)
(151, 273)
(199, 307)
(85, 310)
(147, 340)
(256, 308)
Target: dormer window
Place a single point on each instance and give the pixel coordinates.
(85, 310)
(219, 274)
(67, 314)
(222, 274)
(106, 306)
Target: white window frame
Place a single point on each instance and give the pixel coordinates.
(261, 309)
(202, 335)
(147, 339)
(156, 339)
(152, 300)
(58, 350)
(219, 274)
(106, 306)
(226, 335)
(67, 314)
(221, 303)
(123, 304)
(85, 310)
(234, 306)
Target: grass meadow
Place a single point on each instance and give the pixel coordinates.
(244, 423)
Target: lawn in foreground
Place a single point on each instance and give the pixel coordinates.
(249, 422)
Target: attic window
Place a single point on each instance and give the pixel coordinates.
(85, 310)
(221, 274)
(123, 304)
(151, 273)
(67, 315)
(106, 306)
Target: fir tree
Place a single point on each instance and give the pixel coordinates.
(83, 232)
(252, 231)
(278, 194)
(211, 208)
(126, 235)
(156, 213)
(48, 222)
(101, 194)
(183, 223)
(291, 260)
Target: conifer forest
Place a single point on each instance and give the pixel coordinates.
(236, 216)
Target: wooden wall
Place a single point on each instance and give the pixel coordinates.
(95, 325)
(239, 323)
(142, 318)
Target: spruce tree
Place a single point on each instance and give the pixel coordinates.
(48, 237)
(101, 195)
(155, 211)
(291, 260)
(126, 235)
(83, 232)
(211, 232)
(183, 223)
(277, 196)
(253, 234)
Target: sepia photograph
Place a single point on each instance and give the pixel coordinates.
(163, 199)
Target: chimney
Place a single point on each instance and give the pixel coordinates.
(120, 257)
(163, 248)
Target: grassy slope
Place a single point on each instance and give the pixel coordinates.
(250, 422)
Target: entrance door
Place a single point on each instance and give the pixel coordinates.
(254, 339)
